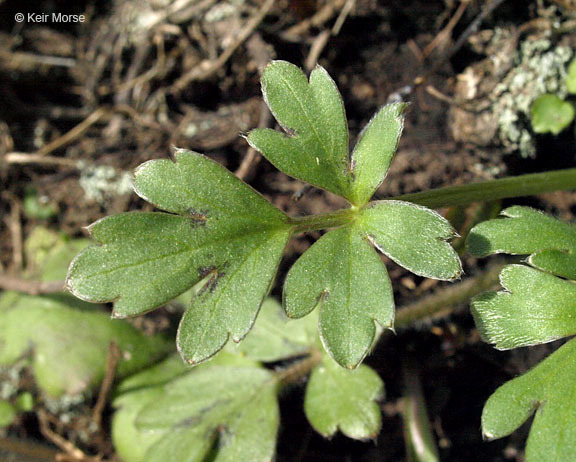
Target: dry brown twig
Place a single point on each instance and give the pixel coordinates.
(318, 45)
(208, 67)
(41, 156)
(323, 37)
(23, 158)
(403, 92)
(27, 448)
(180, 11)
(30, 287)
(74, 133)
(252, 157)
(157, 70)
(260, 52)
(445, 33)
(15, 226)
(112, 360)
(322, 16)
(23, 62)
(71, 451)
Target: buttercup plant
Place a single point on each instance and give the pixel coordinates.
(218, 234)
(216, 228)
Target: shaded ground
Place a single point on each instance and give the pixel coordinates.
(139, 77)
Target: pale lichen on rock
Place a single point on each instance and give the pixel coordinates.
(497, 93)
(103, 182)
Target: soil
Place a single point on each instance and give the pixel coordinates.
(122, 85)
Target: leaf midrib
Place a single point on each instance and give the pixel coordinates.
(180, 252)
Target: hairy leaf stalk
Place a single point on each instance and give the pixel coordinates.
(504, 188)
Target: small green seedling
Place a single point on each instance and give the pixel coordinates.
(537, 305)
(216, 228)
(552, 114)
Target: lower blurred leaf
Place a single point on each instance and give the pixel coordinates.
(345, 400)
(68, 340)
(7, 413)
(275, 336)
(226, 409)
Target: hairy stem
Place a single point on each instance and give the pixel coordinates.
(516, 186)
(442, 302)
(418, 436)
(300, 369)
(438, 304)
(324, 221)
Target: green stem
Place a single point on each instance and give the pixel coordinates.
(418, 436)
(443, 301)
(324, 221)
(517, 186)
(440, 303)
(300, 369)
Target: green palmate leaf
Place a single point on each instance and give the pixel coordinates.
(315, 146)
(69, 341)
(413, 236)
(551, 114)
(224, 232)
(551, 242)
(342, 273)
(339, 399)
(275, 336)
(547, 389)
(535, 307)
(197, 187)
(226, 409)
(145, 260)
(555, 261)
(231, 300)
